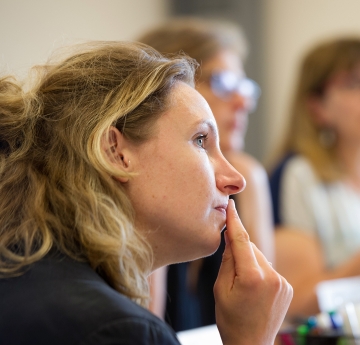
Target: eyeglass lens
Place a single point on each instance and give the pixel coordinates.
(225, 83)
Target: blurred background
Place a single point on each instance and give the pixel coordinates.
(279, 33)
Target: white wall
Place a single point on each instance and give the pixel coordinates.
(31, 29)
(290, 28)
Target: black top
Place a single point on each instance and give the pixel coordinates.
(62, 301)
(275, 181)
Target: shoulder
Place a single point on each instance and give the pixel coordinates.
(76, 305)
(300, 168)
(108, 317)
(132, 330)
(120, 321)
(292, 166)
(287, 180)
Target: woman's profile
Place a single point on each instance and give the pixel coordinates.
(110, 167)
(221, 49)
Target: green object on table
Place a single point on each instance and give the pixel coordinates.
(302, 332)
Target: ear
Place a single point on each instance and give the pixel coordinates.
(116, 149)
(317, 110)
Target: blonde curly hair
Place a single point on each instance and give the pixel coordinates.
(57, 188)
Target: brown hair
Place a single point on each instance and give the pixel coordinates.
(199, 38)
(56, 186)
(318, 66)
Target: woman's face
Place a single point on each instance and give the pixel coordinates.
(340, 106)
(181, 191)
(230, 112)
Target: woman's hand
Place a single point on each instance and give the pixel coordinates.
(251, 297)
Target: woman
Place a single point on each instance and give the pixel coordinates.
(316, 186)
(100, 167)
(220, 48)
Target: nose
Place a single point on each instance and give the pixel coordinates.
(239, 101)
(228, 179)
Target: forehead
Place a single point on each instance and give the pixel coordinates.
(345, 72)
(344, 76)
(187, 109)
(224, 60)
(355, 71)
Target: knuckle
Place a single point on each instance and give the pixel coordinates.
(275, 282)
(242, 236)
(281, 286)
(253, 278)
(290, 289)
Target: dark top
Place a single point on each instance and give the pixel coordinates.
(275, 181)
(62, 301)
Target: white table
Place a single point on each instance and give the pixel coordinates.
(208, 335)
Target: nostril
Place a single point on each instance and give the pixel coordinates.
(233, 188)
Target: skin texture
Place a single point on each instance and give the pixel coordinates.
(182, 180)
(247, 289)
(254, 203)
(339, 109)
(157, 283)
(180, 203)
(231, 115)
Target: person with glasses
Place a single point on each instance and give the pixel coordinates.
(315, 181)
(220, 49)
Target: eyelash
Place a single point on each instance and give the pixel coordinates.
(204, 137)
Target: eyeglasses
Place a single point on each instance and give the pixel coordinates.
(224, 84)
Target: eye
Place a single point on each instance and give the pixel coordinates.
(200, 140)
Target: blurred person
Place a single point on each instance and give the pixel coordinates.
(110, 167)
(221, 49)
(316, 184)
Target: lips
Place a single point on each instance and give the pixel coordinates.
(221, 208)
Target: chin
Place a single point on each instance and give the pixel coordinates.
(213, 246)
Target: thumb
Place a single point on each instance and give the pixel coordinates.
(226, 274)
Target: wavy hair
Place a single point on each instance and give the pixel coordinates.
(319, 65)
(57, 187)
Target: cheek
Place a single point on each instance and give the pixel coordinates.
(190, 175)
(196, 185)
(346, 113)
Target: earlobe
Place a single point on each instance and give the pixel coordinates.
(114, 146)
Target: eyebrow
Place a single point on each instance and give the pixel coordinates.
(212, 126)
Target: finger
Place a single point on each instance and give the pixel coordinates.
(226, 273)
(242, 250)
(261, 258)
